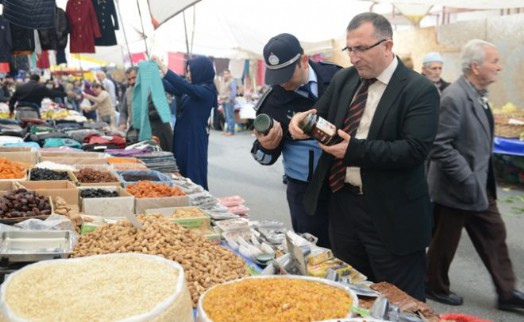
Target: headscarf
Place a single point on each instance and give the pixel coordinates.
(203, 73)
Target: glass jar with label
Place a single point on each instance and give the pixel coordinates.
(320, 129)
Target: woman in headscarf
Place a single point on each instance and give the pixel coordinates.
(198, 95)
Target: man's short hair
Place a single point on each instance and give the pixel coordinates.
(474, 51)
(34, 77)
(383, 29)
(130, 69)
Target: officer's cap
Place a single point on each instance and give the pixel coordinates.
(281, 54)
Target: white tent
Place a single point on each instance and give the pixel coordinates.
(240, 28)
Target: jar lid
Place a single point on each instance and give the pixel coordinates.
(263, 123)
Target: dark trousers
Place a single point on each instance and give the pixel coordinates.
(355, 240)
(317, 224)
(487, 233)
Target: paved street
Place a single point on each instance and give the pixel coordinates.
(232, 171)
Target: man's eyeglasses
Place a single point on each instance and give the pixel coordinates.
(361, 49)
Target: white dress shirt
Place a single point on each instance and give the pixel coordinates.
(375, 92)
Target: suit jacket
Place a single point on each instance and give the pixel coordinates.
(391, 159)
(460, 157)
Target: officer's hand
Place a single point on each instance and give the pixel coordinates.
(294, 129)
(272, 139)
(338, 150)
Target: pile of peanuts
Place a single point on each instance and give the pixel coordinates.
(205, 264)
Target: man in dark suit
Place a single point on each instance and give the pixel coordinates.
(462, 181)
(380, 220)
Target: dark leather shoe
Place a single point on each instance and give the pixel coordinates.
(515, 302)
(449, 299)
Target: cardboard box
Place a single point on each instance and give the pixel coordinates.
(73, 160)
(112, 207)
(65, 154)
(6, 186)
(201, 221)
(142, 204)
(156, 177)
(54, 188)
(26, 158)
(115, 183)
(17, 149)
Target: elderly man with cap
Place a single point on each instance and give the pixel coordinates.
(297, 82)
(432, 69)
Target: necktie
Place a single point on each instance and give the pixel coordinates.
(307, 88)
(356, 110)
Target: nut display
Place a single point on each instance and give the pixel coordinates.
(140, 177)
(148, 189)
(11, 170)
(88, 175)
(70, 211)
(23, 203)
(39, 174)
(98, 193)
(205, 264)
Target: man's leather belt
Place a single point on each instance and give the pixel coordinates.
(353, 189)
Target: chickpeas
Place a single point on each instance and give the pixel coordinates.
(205, 264)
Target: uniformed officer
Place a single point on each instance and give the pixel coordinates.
(297, 82)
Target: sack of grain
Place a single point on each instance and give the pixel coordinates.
(115, 287)
(279, 298)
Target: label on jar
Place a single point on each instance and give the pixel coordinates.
(324, 130)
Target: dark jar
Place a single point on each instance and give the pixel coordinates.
(263, 123)
(320, 129)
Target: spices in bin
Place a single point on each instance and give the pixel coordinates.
(88, 175)
(122, 160)
(11, 170)
(148, 189)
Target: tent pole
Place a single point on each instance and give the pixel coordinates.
(125, 34)
(185, 32)
(143, 30)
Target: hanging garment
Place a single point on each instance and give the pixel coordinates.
(148, 82)
(23, 39)
(56, 38)
(83, 25)
(43, 60)
(107, 22)
(6, 42)
(32, 14)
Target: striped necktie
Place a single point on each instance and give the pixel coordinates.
(356, 110)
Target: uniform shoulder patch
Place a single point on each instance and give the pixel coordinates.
(262, 99)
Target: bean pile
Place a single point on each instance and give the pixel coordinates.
(204, 263)
(98, 193)
(87, 175)
(39, 174)
(23, 203)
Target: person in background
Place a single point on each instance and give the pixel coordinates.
(227, 93)
(126, 108)
(379, 214)
(296, 82)
(106, 111)
(32, 92)
(432, 68)
(462, 182)
(108, 85)
(191, 133)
